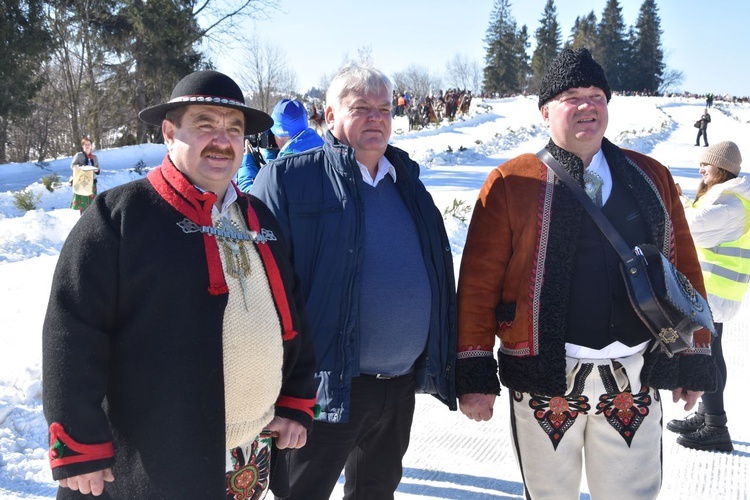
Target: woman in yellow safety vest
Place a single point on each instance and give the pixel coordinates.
(719, 221)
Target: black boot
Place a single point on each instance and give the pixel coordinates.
(714, 435)
(690, 424)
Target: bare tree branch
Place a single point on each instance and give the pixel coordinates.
(461, 73)
(416, 80)
(266, 74)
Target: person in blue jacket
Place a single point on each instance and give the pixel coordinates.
(292, 134)
(375, 264)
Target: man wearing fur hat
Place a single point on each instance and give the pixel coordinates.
(539, 274)
(175, 341)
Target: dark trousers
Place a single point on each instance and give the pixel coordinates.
(702, 132)
(713, 402)
(371, 445)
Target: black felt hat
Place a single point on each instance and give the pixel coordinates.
(213, 89)
(572, 69)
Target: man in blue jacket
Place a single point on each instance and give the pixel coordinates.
(292, 135)
(376, 269)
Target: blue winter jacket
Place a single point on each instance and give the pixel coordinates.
(307, 139)
(316, 198)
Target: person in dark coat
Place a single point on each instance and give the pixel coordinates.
(702, 125)
(373, 256)
(177, 354)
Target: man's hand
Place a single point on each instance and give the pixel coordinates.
(288, 433)
(690, 397)
(93, 482)
(477, 406)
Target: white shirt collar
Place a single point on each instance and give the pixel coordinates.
(229, 197)
(384, 168)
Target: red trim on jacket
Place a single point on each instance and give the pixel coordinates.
(176, 190)
(61, 444)
(301, 404)
(274, 276)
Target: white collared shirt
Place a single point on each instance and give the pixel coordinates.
(229, 197)
(384, 167)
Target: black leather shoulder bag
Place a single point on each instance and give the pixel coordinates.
(661, 296)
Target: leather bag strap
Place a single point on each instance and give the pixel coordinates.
(606, 227)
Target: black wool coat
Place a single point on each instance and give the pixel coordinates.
(132, 355)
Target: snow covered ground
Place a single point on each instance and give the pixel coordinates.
(450, 457)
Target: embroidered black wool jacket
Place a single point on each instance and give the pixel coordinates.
(132, 356)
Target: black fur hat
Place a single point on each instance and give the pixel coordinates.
(209, 88)
(571, 69)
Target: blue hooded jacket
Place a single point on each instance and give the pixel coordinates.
(307, 139)
(315, 195)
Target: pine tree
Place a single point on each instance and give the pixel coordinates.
(611, 50)
(630, 67)
(524, 62)
(584, 33)
(648, 56)
(547, 44)
(502, 61)
(102, 62)
(23, 49)
(156, 40)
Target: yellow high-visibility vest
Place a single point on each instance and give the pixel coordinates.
(726, 269)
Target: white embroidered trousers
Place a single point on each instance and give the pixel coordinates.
(600, 425)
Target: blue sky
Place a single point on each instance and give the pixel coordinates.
(707, 40)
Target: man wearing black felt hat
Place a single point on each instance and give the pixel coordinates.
(539, 274)
(176, 346)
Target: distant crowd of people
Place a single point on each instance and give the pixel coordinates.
(424, 110)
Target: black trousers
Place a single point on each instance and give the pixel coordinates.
(713, 402)
(702, 132)
(370, 446)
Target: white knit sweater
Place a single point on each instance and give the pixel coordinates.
(253, 351)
